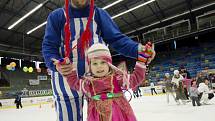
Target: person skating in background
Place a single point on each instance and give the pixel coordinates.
(18, 101)
(187, 80)
(205, 93)
(194, 94)
(177, 80)
(199, 79)
(183, 71)
(169, 86)
(137, 92)
(152, 86)
(211, 78)
(103, 83)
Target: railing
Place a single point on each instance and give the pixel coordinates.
(180, 29)
(170, 31)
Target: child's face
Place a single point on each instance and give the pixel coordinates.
(194, 83)
(79, 3)
(99, 67)
(206, 82)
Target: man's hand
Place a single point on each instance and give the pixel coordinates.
(63, 68)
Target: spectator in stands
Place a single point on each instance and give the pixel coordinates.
(18, 101)
(205, 93)
(152, 85)
(194, 94)
(177, 80)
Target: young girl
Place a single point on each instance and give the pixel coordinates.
(194, 94)
(103, 84)
(177, 80)
(169, 86)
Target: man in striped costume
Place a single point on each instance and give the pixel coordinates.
(68, 102)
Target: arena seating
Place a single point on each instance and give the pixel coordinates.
(193, 59)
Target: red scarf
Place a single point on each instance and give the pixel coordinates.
(86, 35)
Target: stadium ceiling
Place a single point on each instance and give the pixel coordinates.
(132, 20)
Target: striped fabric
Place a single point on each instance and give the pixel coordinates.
(144, 55)
(69, 102)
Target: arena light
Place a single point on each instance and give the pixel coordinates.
(39, 26)
(25, 16)
(112, 4)
(134, 8)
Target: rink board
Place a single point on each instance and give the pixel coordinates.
(9, 103)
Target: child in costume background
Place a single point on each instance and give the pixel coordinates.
(169, 86)
(206, 94)
(194, 94)
(103, 85)
(177, 80)
(187, 80)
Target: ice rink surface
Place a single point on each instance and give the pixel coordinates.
(146, 108)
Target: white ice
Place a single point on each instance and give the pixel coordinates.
(146, 108)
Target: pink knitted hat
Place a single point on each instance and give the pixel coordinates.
(99, 51)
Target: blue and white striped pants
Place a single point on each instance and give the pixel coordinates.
(68, 103)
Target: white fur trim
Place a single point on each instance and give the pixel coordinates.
(140, 64)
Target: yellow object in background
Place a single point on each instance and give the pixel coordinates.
(25, 69)
(12, 64)
(30, 69)
(8, 67)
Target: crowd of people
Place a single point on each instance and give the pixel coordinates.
(186, 89)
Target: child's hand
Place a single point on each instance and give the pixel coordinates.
(64, 67)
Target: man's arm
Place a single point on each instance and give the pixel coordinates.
(51, 41)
